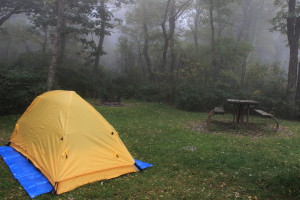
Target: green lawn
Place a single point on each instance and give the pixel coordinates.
(191, 161)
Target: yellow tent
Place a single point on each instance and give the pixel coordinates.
(70, 142)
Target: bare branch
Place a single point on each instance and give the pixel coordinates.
(182, 8)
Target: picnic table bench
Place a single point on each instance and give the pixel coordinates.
(216, 110)
(238, 111)
(267, 115)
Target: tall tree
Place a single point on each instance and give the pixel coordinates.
(56, 43)
(146, 39)
(173, 10)
(251, 15)
(212, 39)
(196, 24)
(166, 37)
(104, 17)
(293, 33)
(218, 16)
(172, 26)
(142, 29)
(287, 21)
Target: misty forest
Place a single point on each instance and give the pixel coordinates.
(191, 54)
(164, 75)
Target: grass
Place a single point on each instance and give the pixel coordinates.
(191, 161)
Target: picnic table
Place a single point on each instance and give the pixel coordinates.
(239, 107)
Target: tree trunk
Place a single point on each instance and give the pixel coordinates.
(166, 39)
(146, 41)
(175, 13)
(293, 31)
(99, 49)
(297, 96)
(241, 35)
(98, 52)
(141, 60)
(252, 39)
(164, 57)
(172, 26)
(55, 46)
(45, 40)
(219, 24)
(292, 72)
(196, 28)
(62, 45)
(212, 42)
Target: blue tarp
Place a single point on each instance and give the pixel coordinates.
(142, 165)
(31, 179)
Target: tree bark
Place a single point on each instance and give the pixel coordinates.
(62, 45)
(196, 27)
(146, 41)
(293, 32)
(292, 72)
(166, 39)
(244, 34)
(55, 46)
(99, 49)
(219, 35)
(45, 40)
(169, 41)
(141, 60)
(165, 50)
(212, 41)
(172, 26)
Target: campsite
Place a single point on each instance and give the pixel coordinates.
(150, 99)
(223, 165)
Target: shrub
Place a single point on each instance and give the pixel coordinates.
(21, 81)
(18, 89)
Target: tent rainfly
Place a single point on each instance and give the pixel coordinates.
(70, 142)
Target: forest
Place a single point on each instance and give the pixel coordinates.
(168, 70)
(191, 54)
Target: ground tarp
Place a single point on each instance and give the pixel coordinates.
(31, 179)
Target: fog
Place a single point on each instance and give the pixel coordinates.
(110, 60)
(273, 49)
(190, 53)
(267, 47)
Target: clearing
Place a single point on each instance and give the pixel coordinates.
(192, 161)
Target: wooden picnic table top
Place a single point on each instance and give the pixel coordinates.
(243, 101)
